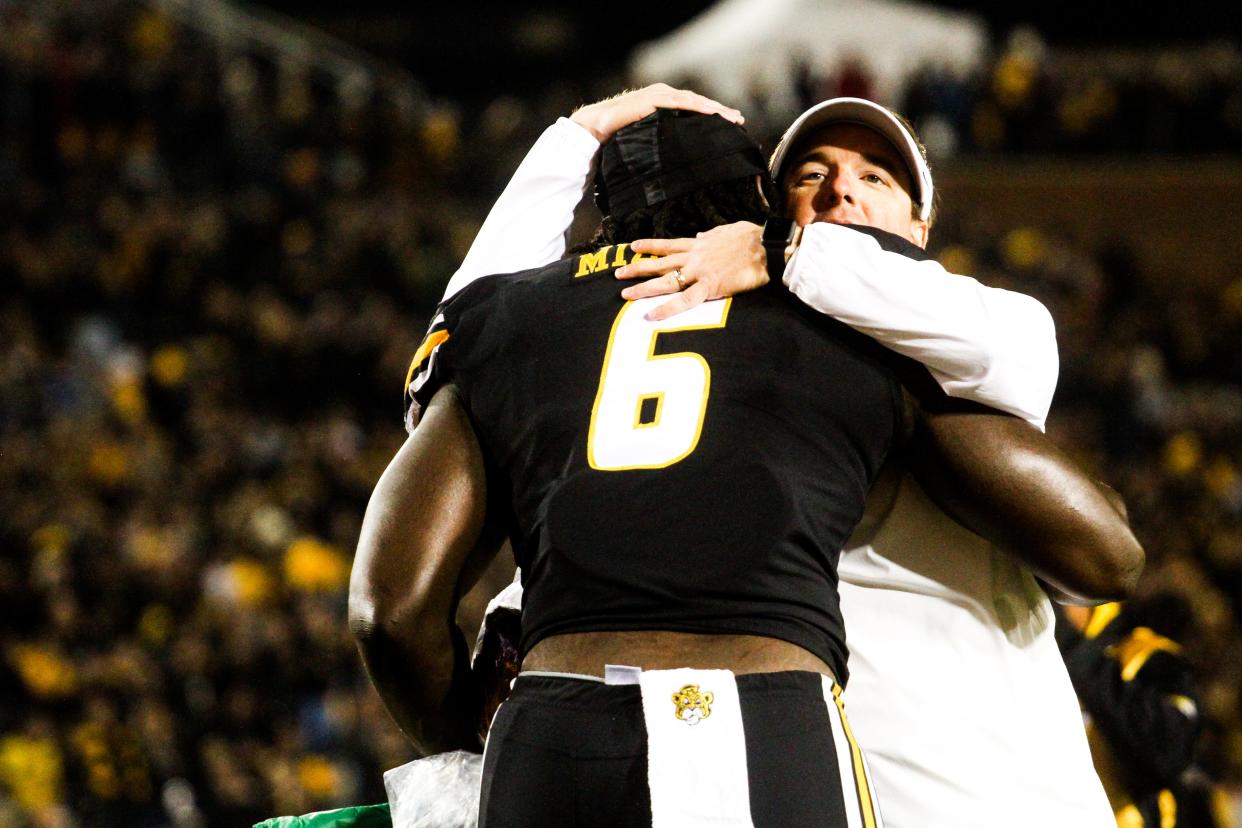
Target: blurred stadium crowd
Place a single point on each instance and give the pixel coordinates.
(215, 266)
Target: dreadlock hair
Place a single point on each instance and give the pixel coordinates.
(685, 215)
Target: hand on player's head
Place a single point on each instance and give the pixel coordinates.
(603, 118)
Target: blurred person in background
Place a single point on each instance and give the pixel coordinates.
(1141, 704)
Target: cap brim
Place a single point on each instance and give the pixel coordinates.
(871, 115)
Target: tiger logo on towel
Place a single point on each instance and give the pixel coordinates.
(693, 706)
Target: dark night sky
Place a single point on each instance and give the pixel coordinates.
(462, 48)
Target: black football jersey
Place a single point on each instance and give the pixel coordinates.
(698, 474)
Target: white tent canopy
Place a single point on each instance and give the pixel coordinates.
(739, 48)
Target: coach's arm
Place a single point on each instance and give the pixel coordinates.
(1007, 482)
(424, 542)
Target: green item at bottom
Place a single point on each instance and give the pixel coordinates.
(358, 816)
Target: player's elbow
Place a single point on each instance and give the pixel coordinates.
(1119, 570)
(1125, 567)
(365, 599)
(1108, 569)
(383, 616)
(1120, 556)
(362, 618)
(390, 632)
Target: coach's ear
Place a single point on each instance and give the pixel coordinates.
(919, 232)
(767, 192)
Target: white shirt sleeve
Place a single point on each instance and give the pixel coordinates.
(993, 346)
(526, 226)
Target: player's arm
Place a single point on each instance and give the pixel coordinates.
(424, 541)
(993, 346)
(1004, 480)
(526, 226)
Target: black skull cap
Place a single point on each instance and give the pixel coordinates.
(669, 153)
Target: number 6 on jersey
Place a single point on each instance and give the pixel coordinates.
(649, 408)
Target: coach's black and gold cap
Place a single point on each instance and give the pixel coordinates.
(669, 153)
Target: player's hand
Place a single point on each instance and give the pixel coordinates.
(604, 118)
(723, 261)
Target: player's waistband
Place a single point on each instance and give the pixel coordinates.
(625, 683)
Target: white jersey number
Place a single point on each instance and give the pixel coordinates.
(649, 408)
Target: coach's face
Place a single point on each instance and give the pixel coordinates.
(850, 174)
